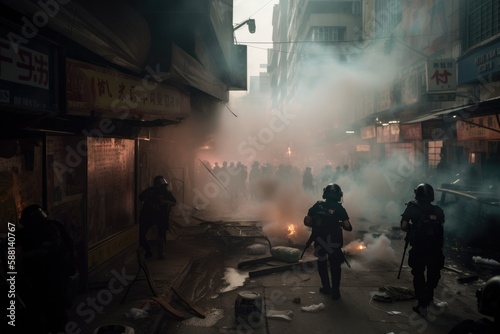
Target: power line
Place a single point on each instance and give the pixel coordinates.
(267, 3)
(338, 41)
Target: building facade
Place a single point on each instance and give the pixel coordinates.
(420, 81)
(98, 97)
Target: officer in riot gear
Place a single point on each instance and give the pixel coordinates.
(46, 264)
(488, 303)
(157, 202)
(327, 219)
(423, 222)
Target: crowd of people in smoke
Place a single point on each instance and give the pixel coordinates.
(241, 181)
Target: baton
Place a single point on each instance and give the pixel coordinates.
(403, 258)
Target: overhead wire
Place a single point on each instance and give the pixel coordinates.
(322, 42)
(258, 10)
(341, 41)
(267, 3)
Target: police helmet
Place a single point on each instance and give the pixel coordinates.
(32, 214)
(424, 192)
(488, 298)
(333, 192)
(160, 181)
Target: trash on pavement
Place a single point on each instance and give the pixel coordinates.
(286, 254)
(440, 304)
(489, 262)
(391, 293)
(313, 308)
(136, 313)
(284, 314)
(256, 249)
(393, 312)
(211, 318)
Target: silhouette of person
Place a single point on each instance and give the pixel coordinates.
(46, 264)
(308, 180)
(157, 202)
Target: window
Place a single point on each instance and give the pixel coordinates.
(434, 151)
(483, 20)
(388, 14)
(328, 34)
(356, 7)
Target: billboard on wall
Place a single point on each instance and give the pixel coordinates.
(411, 131)
(479, 128)
(28, 75)
(480, 64)
(388, 133)
(94, 88)
(429, 25)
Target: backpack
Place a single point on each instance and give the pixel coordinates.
(428, 231)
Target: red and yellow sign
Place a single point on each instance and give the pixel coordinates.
(368, 132)
(93, 88)
(480, 129)
(388, 133)
(411, 131)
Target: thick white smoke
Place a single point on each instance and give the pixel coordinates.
(303, 135)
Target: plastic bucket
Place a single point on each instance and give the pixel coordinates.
(114, 329)
(248, 309)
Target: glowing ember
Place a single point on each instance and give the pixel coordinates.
(355, 247)
(291, 230)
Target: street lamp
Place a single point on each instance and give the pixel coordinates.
(251, 25)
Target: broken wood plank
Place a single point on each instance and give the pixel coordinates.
(293, 266)
(453, 269)
(193, 308)
(253, 262)
(166, 305)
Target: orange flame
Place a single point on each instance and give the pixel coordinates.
(291, 230)
(361, 246)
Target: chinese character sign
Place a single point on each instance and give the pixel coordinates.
(90, 87)
(441, 75)
(479, 128)
(27, 66)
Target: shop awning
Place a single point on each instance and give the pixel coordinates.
(461, 112)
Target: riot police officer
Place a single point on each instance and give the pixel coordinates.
(327, 219)
(157, 202)
(488, 303)
(423, 223)
(46, 264)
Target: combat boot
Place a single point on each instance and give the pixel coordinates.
(325, 279)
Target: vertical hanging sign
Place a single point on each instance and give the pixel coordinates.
(441, 80)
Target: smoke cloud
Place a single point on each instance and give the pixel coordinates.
(310, 132)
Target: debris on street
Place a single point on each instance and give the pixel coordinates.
(313, 308)
(283, 314)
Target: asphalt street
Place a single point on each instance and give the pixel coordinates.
(215, 283)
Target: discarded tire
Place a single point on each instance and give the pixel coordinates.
(248, 309)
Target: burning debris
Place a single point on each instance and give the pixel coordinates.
(355, 247)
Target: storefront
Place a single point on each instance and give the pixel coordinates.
(480, 139)
(96, 170)
(29, 90)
